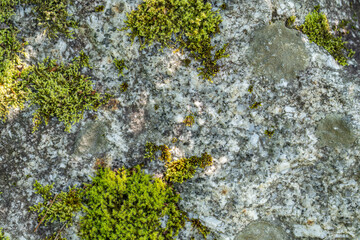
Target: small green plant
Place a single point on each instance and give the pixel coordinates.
(195, 223)
(59, 207)
(189, 120)
(269, 133)
(290, 21)
(7, 9)
(124, 87)
(185, 168)
(2, 235)
(120, 65)
(177, 170)
(60, 90)
(99, 8)
(255, 105)
(316, 27)
(192, 22)
(53, 15)
(13, 91)
(128, 204)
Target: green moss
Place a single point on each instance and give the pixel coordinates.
(189, 120)
(251, 88)
(7, 9)
(59, 207)
(185, 168)
(124, 87)
(120, 65)
(2, 235)
(195, 223)
(290, 21)
(13, 92)
(53, 16)
(60, 90)
(255, 105)
(128, 204)
(177, 170)
(269, 133)
(99, 8)
(316, 27)
(193, 23)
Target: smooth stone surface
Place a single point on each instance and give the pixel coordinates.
(262, 231)
(278, 52)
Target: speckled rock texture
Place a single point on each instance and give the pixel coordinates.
(292, 180)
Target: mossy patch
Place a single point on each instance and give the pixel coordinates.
(128, 204)
(193, 23)
(335, 131)
(53, 16)
(316, 27)
(13, 91)
(60, 90)
(7, 9)
(2, 235)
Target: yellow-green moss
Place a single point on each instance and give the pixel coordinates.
(316, 27)
(128, 204)
(99, 8)
(193, 24)
(189, 120)
(120, 65)
(255, 105)
(13, 91)
(2, 235)
(53, 16)
(7, 9)
(60, 90)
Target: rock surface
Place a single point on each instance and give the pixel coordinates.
(310, 190)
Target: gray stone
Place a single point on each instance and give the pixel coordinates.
(335, 131)
(262, 231)
(92, 139)
(278, 52)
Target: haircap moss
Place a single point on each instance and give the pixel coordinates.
(193, 23)
(13, 91)
(316, 27)
(53, 15)
(60, 90)
(335, 131)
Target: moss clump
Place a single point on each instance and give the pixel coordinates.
(13, 92)
(124, 87)
(53, 15)
(269, 133)
(120, 65)
(177, 170)
(191, 22)
(60, 90)
(189, 120)
(255, 105)
(316, 27)
(195, 223)
(59, 207)
(185, 168)
(7, 9)
(99, 8)
(128, 204)
(2, 235)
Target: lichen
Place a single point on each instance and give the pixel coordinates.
(335, 131)
(316, 27)
(191, 22)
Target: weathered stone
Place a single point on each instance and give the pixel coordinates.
(278, 52)
(334, 131)
(92, 139)
(262, 231)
